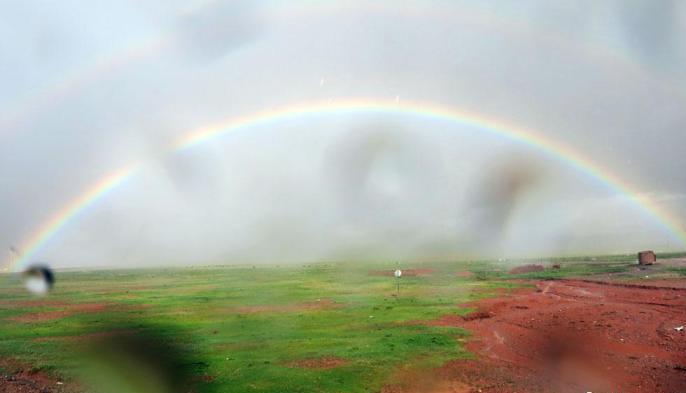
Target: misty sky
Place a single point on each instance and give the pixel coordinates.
(88, 88)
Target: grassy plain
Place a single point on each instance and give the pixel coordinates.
(309, 328)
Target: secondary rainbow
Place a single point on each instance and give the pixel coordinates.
(348, 107)
(146, 48)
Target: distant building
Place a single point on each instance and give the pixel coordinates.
(646, 257)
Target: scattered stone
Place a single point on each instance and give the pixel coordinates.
(476, 315)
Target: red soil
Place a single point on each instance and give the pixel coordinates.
(570, 336)
(527, 269)
(68, 310)
(11, 304)
(16, 377)
(662, 283)
(323, 363)
(87, 337)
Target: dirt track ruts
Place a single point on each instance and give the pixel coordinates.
(568, 336)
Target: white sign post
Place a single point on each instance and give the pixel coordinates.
(398, 273)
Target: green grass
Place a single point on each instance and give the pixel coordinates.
(200, 309)
(201, 312)
(679, 270)
(568, 268)
(665, 255)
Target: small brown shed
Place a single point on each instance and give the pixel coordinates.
(646, 257)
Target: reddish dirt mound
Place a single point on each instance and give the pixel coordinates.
(17, 378)
(414, 381)
(527, 269)
(661, 283)
(12, 304)
(476, 315)
(68, 310)
(269, 308)
(464, 274)
(87, 336)
(322, 363)
(406, 272)
(573, 336)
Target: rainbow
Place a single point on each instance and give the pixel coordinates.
(66, 214)
(146, 48)
(77, 80)
(349, 107)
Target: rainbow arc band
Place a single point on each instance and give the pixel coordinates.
(62, 217)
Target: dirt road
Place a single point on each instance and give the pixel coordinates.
(569, 336)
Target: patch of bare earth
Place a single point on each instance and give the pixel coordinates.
(16, 377)
(675, 284)
(413, 380)
(323, 363)
(66, 311)
(571, 336)
(320, 304)
(88, 336)
(672, 262)
(527, 269)
(206, 378)
(662, 283)
(11, 304)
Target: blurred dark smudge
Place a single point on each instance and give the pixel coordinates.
(215, 29)
(497, 194)
(138, 359)
(650, 29)
(378, 167)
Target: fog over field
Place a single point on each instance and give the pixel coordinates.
(88, 89)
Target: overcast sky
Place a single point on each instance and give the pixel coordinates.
(88, 88)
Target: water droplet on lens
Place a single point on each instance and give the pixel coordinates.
(38, 279)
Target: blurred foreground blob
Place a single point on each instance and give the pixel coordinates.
(498, 193)
(137, 361)
(380, 167)
(38, 279)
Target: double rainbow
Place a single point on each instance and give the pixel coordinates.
(62, 217)
(475, 14)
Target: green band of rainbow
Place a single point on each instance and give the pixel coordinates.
(358, 106)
